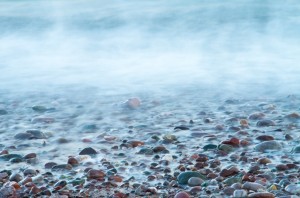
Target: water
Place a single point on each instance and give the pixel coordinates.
(233, 46)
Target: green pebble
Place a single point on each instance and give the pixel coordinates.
(183, 178)
(210, 147)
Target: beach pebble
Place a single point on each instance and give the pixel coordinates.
(261, 195)
(252, 186)
(229, 172)
(95, 174)
(29, 172)
(88, 151)
(133, 103)
(293, 116)
(195, 181)
(268, 145)
(293, 188)
(265, 138)
(182, 194)
(240, 193)
(256, 116)
(296, 149)
(184, 177)
(15, 177)
(264, 160)
(61, 167)
(30, 156)
(265, 123)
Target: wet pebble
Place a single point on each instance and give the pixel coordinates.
(265, 123)
(252, 186)
(265, 138)
(88, 151)
(240, 193)
(133, 103)
(268, 145)
(256, 116)
(95, 174)
(195, 181)
(182, 194)
(293, 188)
(184, 177)
(261, 195)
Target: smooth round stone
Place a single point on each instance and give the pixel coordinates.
(293, 188)
(30, 156)
(226, 148)
(240, 193)
(293, 116)
(261, 195)
(22, 136)
(264, 160)
(268, 145)
(29, 172)
(265, 123)
(182, 194)
(36, 134)
(95, 174)
(40, 109)
(184, 177)
(210, 147)
(253, 186)
(228, 191)
(62, 140)
(16, 160)
(296, 149)
(15, 177)
(256, 116)
(7, 157)
(61, 167)
(88, 151)
(3, 112)
(49, 165)
(265, 138)
(195, 181)
(133, 103)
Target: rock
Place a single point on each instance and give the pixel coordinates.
(256, 116)
(184, 177)
(146, 151)
(43, 120)
(89, 128)
(195, 181)
(210, 147)
(30, 134)
(228, 191)
(293, 116)
(296, 149)
(182, 194)
(7, 157)
(95, 174)
(240, 193)
(226, 148)
(233, 142)
(265, 138)
(73, 161)
(181, 128)
(264, 160)
(136, 143)
(293, 189)
(253, 186)
(59, 185)
(29, 172)
(49, 165)
(133, 103)
(88, 151)
(15, 177)
(282, 167)
(268, 145)
(158, 149)
(265, 123)
(261, 195)
(229, 172)
(39, 109)
(7, 190)
(61, 167)
(3, 112)
(30, 156)
(22, 136)
(62, 140)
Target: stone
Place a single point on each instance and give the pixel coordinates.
(226, 148)
(293, 188)
(61, 167)
(240, 193)
(88, 151)
(182, 194)
(133, 103)
(184, 177)
(30, 156)
(296, 149)
(252, 186)
(15, 177)
(210, 147)
(195, 181)
(264, 160)
(95, 174)
(256, 116)
(265, 123)
(268, 145)
(229, 172)
(261, 195)
(265, 138)
(7, 157)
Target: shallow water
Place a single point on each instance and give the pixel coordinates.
(240, 47)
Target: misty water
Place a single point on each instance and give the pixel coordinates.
(237, 47)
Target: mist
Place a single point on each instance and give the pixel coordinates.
(237, 47)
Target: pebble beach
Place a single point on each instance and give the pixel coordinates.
(148, 145)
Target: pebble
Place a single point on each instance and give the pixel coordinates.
(261, 195)
(296, 149)
(133, 103)
(256, 116)
(265, 123)
(95, 174)
(195, 181)
(15, 177)
(182, 194)
(240, 193)
(268, 145)
(252, 186)
(88, 151)
(61, 167)
(293, 188)
(184, 177)
(265, 138)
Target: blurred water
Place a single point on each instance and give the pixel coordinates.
(242, 47)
